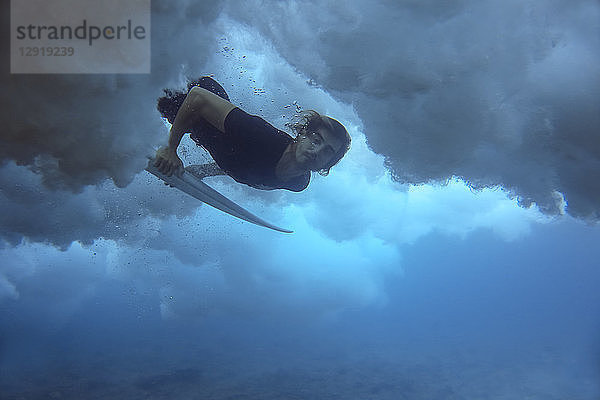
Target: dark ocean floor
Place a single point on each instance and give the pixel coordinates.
(370, 375)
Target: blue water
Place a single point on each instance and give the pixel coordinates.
(114, 286)
(469, 318)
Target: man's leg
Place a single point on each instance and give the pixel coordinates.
(205, 170)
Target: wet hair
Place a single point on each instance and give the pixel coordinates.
(169, 104)
(311, 121)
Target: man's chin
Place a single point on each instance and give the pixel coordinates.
(303, 160)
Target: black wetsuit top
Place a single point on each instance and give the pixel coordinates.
(249, 149)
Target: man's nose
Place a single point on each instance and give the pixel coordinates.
(317, 146)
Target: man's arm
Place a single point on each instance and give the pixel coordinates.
(199, 103)
(209, 106)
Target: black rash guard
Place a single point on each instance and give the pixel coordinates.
(249, 149)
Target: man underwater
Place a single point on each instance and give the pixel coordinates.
(246, 147)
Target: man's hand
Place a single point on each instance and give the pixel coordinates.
(168, 162)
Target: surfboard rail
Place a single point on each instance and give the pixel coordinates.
(194, 187)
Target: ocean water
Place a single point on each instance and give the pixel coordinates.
(451, 255)
(471, 318)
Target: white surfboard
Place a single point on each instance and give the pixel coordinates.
(193, 186)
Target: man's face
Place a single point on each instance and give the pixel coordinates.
(315, 149)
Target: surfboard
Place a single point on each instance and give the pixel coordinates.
(193, 186)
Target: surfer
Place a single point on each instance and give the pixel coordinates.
(244, 146)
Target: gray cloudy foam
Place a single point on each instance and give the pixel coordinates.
(77, 131)
(496, 93)
(499, 94)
